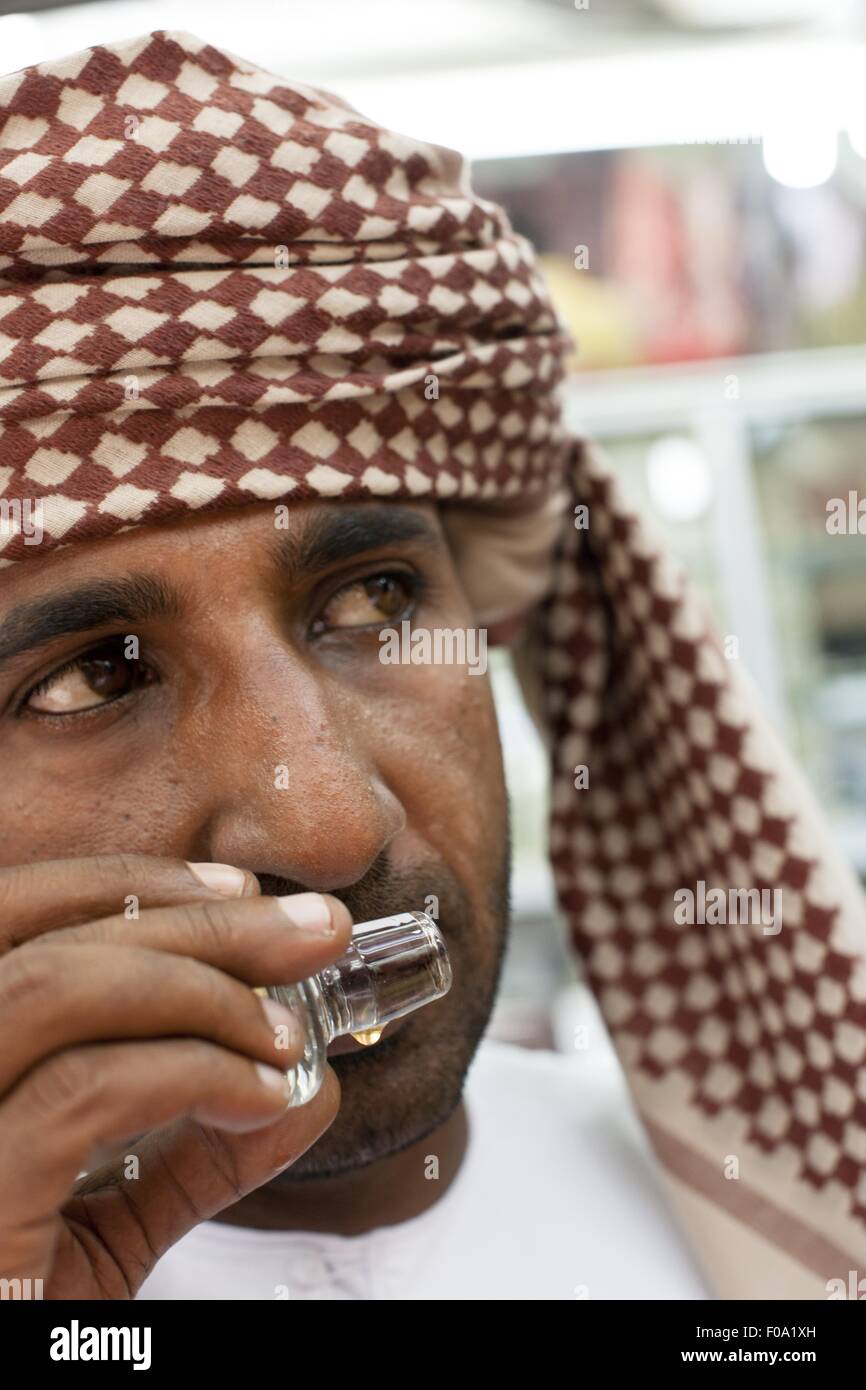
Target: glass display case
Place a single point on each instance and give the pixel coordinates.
(811, 479)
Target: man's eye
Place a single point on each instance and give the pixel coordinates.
(99, 676)
(369, 602)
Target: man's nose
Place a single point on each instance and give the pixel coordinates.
(295, 791)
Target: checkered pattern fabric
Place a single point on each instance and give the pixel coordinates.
(218, 288)
(743, 1035)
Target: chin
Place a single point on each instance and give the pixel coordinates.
(394, 1094)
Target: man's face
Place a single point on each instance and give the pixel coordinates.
(254, 724)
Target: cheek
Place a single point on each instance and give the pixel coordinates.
(442, 758)
(47, 815)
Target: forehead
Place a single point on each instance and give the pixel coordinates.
(290, 536)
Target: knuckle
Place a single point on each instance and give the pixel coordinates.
(25, 977)
(208, 1063)
(224, 1160)
(15, 885)
(113, 871)
(129, 872)
(63, 1083)
(66, 936)
(213, 923)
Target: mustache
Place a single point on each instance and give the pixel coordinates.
(383, 891)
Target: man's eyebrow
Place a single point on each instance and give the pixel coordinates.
(340, 536)
(139, 597)
(130, 600)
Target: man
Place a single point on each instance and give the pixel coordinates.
(275, 381)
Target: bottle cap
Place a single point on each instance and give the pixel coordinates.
(393, 966)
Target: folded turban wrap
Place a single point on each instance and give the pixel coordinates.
(219, 288)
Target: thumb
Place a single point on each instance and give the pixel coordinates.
(188, 1172)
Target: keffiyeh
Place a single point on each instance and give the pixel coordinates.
(220, 288)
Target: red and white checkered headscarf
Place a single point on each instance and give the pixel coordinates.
(219, 288)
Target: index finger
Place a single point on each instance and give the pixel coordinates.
(54, 893)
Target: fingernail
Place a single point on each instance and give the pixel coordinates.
(286, 1028)
(221, 878)
(274, 1079)
(308, 911)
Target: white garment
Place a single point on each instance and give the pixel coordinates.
(557, 1197)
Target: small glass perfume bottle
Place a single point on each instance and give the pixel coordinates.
(393, 966)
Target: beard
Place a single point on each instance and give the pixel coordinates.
(400, 1090)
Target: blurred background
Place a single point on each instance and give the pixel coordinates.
(694, 174)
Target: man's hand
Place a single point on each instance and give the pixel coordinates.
(112, 1028)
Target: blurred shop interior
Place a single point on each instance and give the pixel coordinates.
(694, 174)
